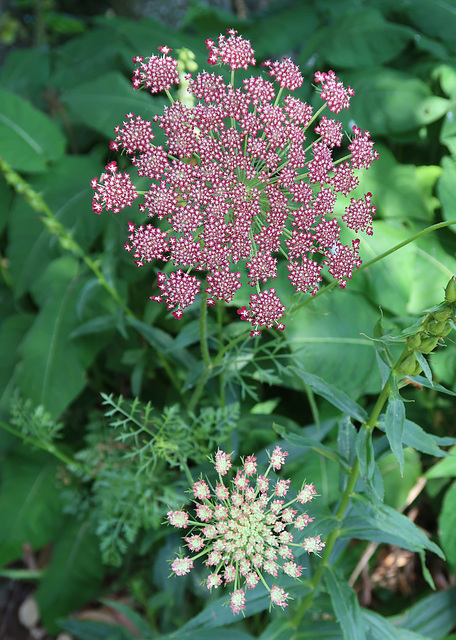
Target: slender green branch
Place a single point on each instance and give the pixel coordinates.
(434, 227)
(49, 447)
(349, 489)
(203, 332)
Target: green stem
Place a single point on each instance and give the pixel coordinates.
(349, 489)
(203, 332)
(49, 447)
(434, 227)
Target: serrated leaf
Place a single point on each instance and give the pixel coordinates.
(29, 503)
(394, 427)
(345, 604)
(29, 140)
(332, 394)
(74, 574)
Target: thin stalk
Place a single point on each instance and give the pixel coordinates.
(49, 447)
(349, 489)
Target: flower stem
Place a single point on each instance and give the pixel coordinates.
(349, 489)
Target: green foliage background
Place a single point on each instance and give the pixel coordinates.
(75, 322)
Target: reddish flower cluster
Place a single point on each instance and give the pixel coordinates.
(238, 183)
(242, 531)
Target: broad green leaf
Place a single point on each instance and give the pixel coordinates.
(379, 628)
(88, 630)
(448, 132)
(327, 334)
(389, 101)
(410, 279)
(447, 525)
(26, 72)
(444, 468)
(74, 574)
(29, 503)
(433, 616)
(446, 75)
(446, 191)
(365, 453)
(282, 31)
(394, 427)
(363, 38)
(12, 331)
(381, 523)
(397, 486)
(29, 140)
(52, 367)
(101, 104)
(89, 56)
(438, 22)
(332, 394)
(345, 604)
(140, 624)
(67, 192)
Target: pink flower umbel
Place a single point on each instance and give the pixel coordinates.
(243, 532)
(249, 179)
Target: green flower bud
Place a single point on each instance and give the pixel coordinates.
(418, 370)
(428, 344)
(414, 341)
(442, 314)
(435, 328)
(446, 330)
(450, 291)
(408, 366)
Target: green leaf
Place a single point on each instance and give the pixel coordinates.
(29, 503)
(447, 525)
(74, 574)
(444, 468)
(446, 191)
(67, 193)
(365, 453)
(140, 624)
(52, 367)
(26, 72)
(87, 630)
(316, 446)
(379, 628)
(438, 23)
(363, 38)
(29, 140)
(390, 101)
(381, 523)
(345, 604)
(433, 616)
(101, 104)
(328, 331)
(394, 427)
(12, 331)
(332, 394)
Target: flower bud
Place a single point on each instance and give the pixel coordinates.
(428, 344)
(446, 329)
(435, 328)
(418, 370)
(414, 341)
(408, 366)
(442, 314)
(450, 291)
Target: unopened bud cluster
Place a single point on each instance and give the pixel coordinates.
(242, 528)
(435, 325)
(248, 174)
